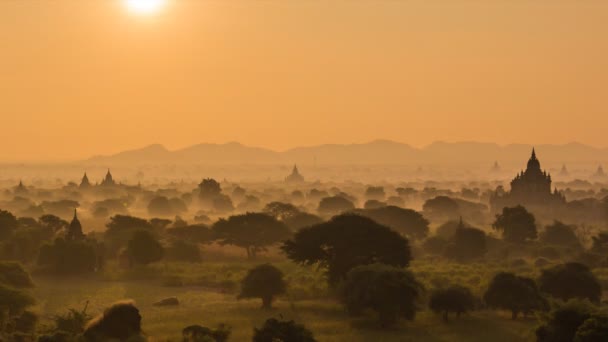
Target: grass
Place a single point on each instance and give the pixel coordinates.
(205, 299)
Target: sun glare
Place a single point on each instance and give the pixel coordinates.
(145, 6)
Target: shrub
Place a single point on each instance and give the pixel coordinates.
(274, 330)
(456, 299)
(570, 280)
(265, 282)
(144, 249)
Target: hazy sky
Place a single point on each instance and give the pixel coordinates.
(84, 77)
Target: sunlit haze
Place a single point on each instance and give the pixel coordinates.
(81, 78)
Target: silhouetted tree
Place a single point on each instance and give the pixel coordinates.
(274, 330)
(14, 300)
(435, 245)
(390, 291)
(53, 222)
(8, 224)
(302, 220)
(143, 248)
(120, 229)
(516, 224)
(208, 189)
(160, 206)
(405, 221)
(593, 329)
(70, 256)
(252, 231)
(441, 207)
(563, 323)
(570, 280)
(560, 234)
(184, 251)
(334, 205)
(466, 244)
(347, 241)
(265, 282)
(457, 299)
(14, 275)
(516, 294)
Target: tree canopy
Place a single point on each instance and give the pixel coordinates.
(347, 241)
(516, 224)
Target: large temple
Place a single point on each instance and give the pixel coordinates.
(530, 188)
(295, 176)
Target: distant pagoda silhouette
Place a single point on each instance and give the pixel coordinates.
(108, 181)
(564, 171)
(74, 231)
(295, 176)
(530, 188)
(599, 173)
(495, 168)
(20, 189)
(85, 183)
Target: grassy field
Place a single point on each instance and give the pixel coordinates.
(208, 297)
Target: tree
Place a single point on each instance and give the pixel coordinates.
(457, 299)
(223, 203)
(441, 207)
(466, 244)
(184, 251)
(70, 256)
(516, 224)
(252, 231)
(8, 224)
(593, 329)
(564, 321)
(14, 300)
(52, 222)
(570, 280)
(143, 248)
(560, 234)
(334, 205)
(13, 275)
(198, 233)
(390, 291)
(120, 229)
(405, 221)
(209, 188)
(514, 293)
(347, 241)
(265, 282)
(274, 330)
(160, 206)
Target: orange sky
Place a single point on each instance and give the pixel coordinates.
(79, 77)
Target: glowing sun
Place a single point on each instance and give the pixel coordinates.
(144, 6)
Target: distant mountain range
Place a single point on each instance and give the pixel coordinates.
(375, 152)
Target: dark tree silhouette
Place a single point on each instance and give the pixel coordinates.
(14, 300)
(265, 282)
(209, 188)
(574, 320)
(160, 206)
(330, 206)
(390, 291)
(302, 220)
(14, 275)
(252, 231)
(441, 207)
(405, 221)
(375, 193)
(70, 256)
(570, 280)
(53, 222)
(274, 330)
(8, 224)
(347, 241)
(457, 299)
(466, 244)
(516, 224)
(560, 234)
(516, 294)
(143, 248)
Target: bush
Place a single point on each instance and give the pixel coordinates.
(570, 280)
(13, 274)
(70, 257)
(390, 291)
(275, 331)
(14, 300)
(265, 282)
(456, 299)
(144, 249)
(516, 294)
(575, 320)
